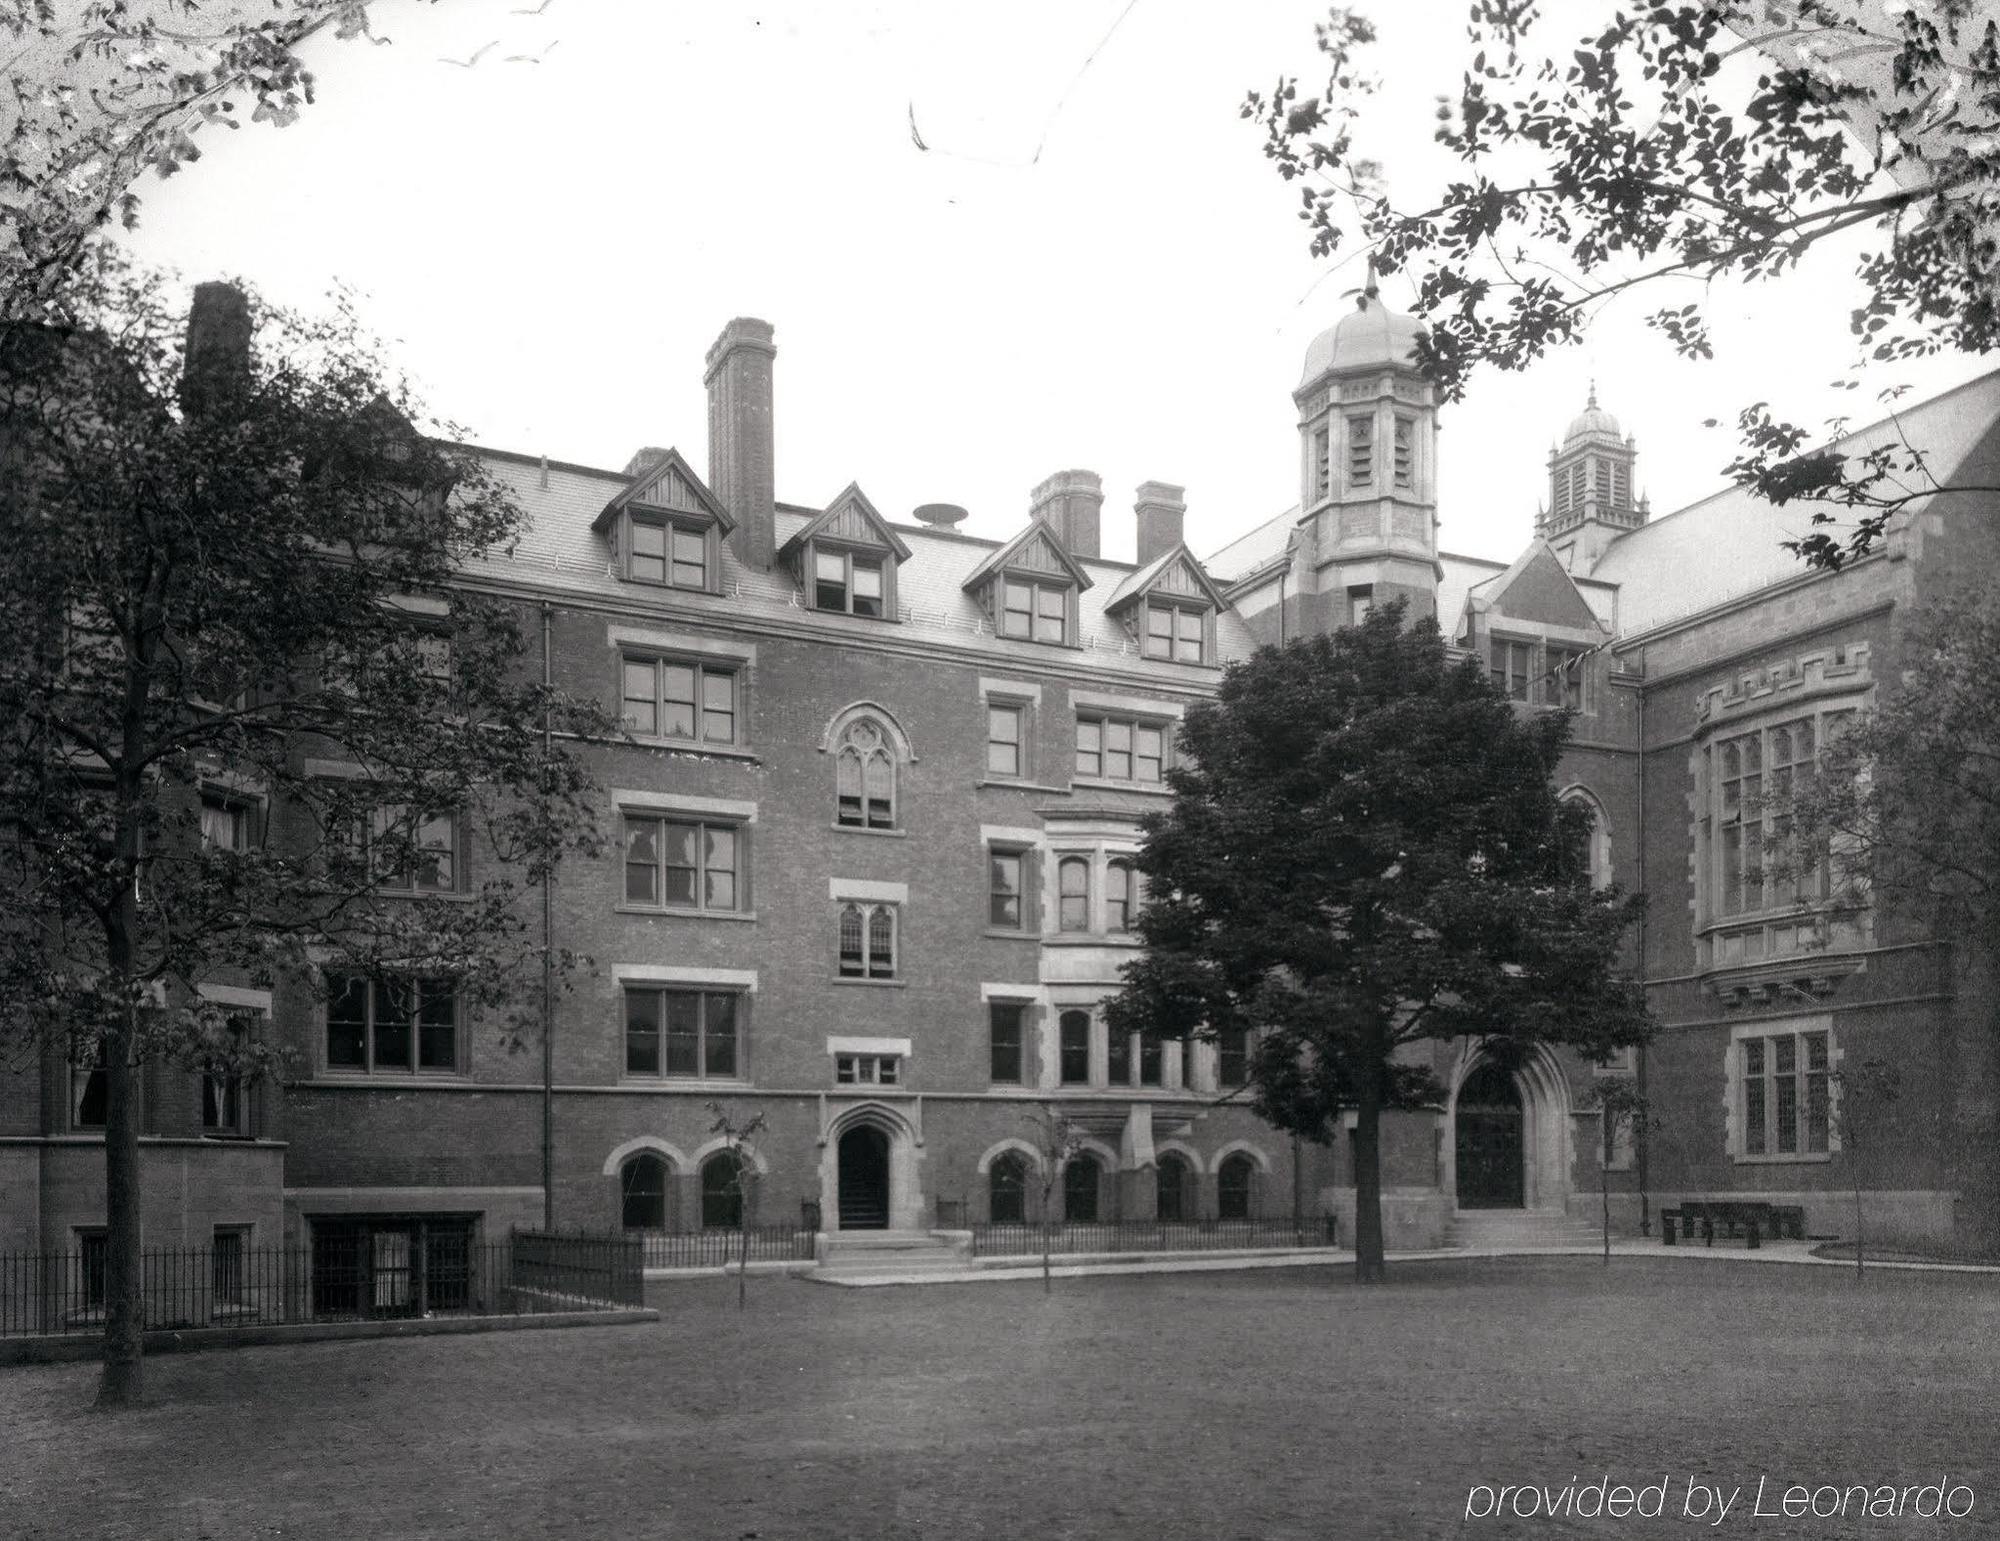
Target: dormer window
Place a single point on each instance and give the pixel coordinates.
(666, 528)
(667, 551)
(847, 581)
(1034, 610)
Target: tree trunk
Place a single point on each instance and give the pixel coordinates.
(1857, 1227)
(742, 1250)
(122, 1381)
(1368, 1187)
(1608, 1136)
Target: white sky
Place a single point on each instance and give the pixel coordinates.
(553, 246)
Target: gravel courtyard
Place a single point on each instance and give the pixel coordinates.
(1281, 1404)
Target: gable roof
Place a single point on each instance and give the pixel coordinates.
(1537, 588)
(1035, 549)
(668, 483)
(1177, 571)
(850, 516)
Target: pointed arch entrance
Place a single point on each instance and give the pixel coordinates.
(863, 1160)
(1491, 1152)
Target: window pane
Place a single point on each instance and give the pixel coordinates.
(690, 559)
(676, 700)
(642, 861)
(1187, 636)
(1117, 897)
(642, 710)
(1004, 889)
(1089, 746)
(347, 1023)
(1074, 1029)
(879, 782)
(683, 1023)
(642, 1032)
(719, 1034)
(867, 587)
(437, 1025)
(1232, 1057)
(1118, 1059)
(437, 851)
(1005, 1019)
(1754, 1143)
(1152, 1060)
(1073, 887)
(1149, 761)
(718, 706)
(1159, 631)
(830, 580)
(1118, 750)
(1051, 614)
(392, 1025)
(1017, 610)
(649, 552)
(1003, 740)
(882, 943)
(850, 939)
(721, 867)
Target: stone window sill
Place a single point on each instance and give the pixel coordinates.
(873, 984)
(657, 910)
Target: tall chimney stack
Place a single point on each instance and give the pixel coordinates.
(1071, 502)
(1162, 511)
(741, 469)
(217, 364)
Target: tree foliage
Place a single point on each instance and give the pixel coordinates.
(1648, 151)
(235, 578)
(1907, 803)
(1365, 853)
(102, 91)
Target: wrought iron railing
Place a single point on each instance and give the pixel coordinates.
(712, 1249)
(1152, 1236)
(348, 1276)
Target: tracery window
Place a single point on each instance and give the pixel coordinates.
(865, 777)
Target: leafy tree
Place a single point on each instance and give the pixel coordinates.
(1622, 1114)
(1055, 1139)
(245, 696)
(736, 1142)
(103, 90)
(1686, 140)
(1906, 807)
(1365, 853)
(1861, 1103)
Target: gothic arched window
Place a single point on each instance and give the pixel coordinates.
(642, 1183)
(1175, 1189)
(865, 777)
(1007, 1190)
(721, 1192)
(1080, 1190)
(1235, 1182)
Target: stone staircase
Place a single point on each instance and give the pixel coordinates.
(1520, 1229)
(857, 1254)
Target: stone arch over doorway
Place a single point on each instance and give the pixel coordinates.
(1485, 1097)
(869, 1170)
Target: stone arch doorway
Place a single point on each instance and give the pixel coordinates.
(1491, 1140)
(863, 1183)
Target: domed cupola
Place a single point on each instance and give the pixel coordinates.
(1368, 337)
(1368, 462)
(1591, 476)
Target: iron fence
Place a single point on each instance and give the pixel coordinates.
(343, 1276)
(712, 1249)
(1151, 1236)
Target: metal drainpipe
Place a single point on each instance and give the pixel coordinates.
(1645, 1194)
(548, 967)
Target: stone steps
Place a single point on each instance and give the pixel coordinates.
(885, 1252)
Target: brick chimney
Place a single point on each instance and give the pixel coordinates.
(741, 470)
(1162, 509)
(218, 347)
(1072, 503)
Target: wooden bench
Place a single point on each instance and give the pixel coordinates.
(1754, 1218)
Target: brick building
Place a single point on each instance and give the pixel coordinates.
(871, 868)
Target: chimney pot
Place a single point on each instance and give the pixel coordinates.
(1071, 502)
(741, 448)
(1162, 511)
(644, 458)
(939, 516)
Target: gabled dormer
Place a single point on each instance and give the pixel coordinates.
(845, 560)
(1541, 639)
(666, 527)
(1169, 608)
(1029, 588)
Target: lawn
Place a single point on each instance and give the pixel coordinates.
(1278, 1404)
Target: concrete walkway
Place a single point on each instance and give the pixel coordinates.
(1079, 1266)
